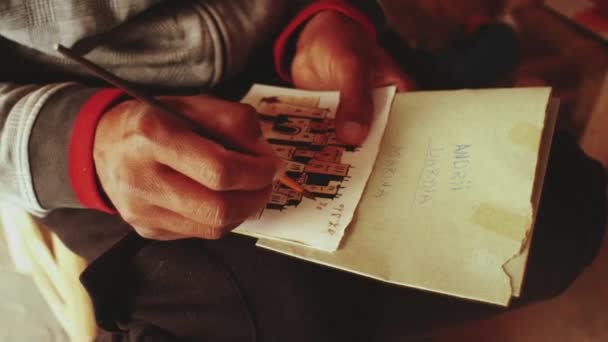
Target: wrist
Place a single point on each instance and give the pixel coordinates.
(82, 172)
(285, 45)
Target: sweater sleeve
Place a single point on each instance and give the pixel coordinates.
(35, 130)
(47, 129)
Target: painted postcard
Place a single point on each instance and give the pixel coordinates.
(300, 127)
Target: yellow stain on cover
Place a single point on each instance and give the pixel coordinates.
(526, 135)
(501, 221)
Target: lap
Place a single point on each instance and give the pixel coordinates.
(226, 290)
(230, 290)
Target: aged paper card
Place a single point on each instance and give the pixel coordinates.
(300, 127)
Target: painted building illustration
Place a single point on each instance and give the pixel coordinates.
(304, 137)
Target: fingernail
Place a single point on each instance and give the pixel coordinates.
(354, 132)
(262, 146)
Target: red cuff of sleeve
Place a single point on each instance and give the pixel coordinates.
(81, 165)
(283, 51)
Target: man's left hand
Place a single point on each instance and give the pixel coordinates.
(335, 53)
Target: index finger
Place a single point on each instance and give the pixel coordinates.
(234, 125)
(212, 165)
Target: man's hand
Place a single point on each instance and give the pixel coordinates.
(333, 52)
(169, 182)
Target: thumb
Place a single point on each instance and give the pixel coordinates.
(355, 112)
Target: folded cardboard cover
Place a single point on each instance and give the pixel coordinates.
(451, 203)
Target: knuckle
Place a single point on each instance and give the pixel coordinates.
(144, 122)
(130, 212)
(148, 233)
(220, 173)
(220, 214)
(215, 212)
(148, 127)
(139, 182)
(129, 182)
(133, 212)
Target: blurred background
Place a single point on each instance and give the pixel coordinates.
(527, 44)
(564, 54)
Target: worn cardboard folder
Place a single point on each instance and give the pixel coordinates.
(451, 203)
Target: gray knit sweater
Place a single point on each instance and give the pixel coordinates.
(177, 43)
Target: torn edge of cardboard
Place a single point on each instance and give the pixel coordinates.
(515, 267)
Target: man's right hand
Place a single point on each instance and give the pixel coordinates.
(169, 182)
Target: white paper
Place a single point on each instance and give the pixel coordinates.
(299, 125)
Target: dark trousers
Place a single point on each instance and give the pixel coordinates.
(230, 290)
